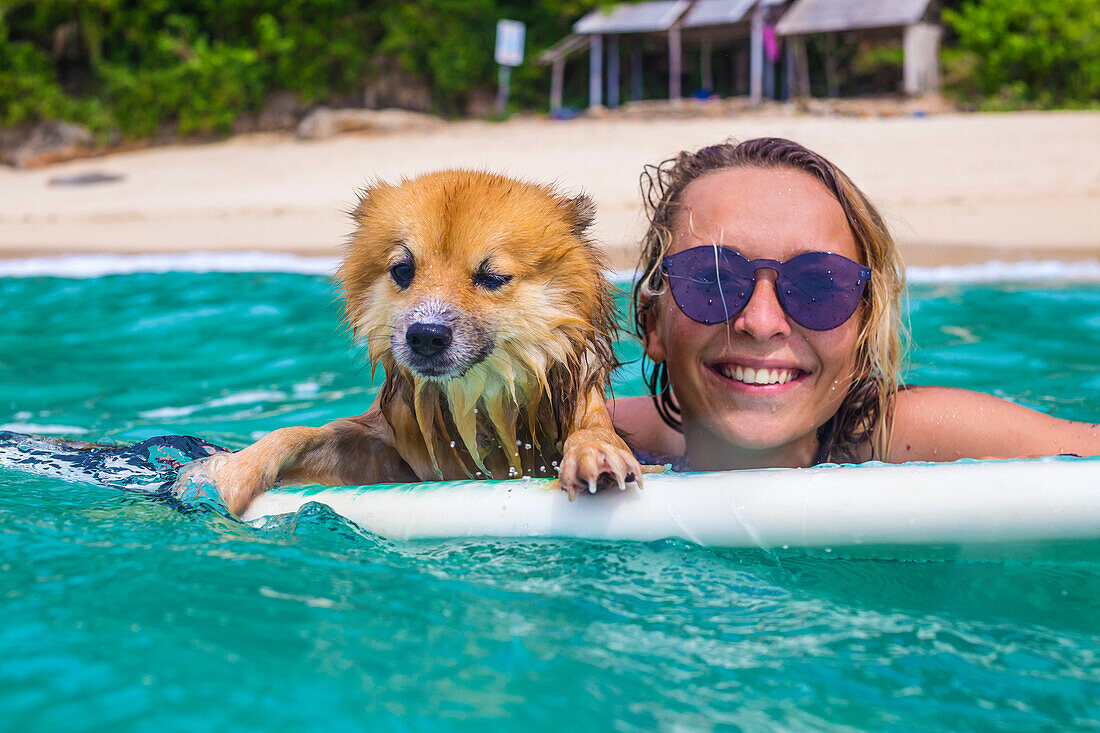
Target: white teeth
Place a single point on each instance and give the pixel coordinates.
(748, 375)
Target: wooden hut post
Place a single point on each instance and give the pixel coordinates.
(832, 72)
(740, 72)
(595, 71)
(674, 63)
(756, 56)
(613, 71)
(788, 63)
(636, 70)
(706, 70)
(557, 80)
(769, 78)
(800, 73)
(921, 65)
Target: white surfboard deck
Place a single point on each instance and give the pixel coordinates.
(913, 504)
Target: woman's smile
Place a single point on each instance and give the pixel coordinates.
(756, 377)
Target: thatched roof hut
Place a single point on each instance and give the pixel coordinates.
(914, 20)
(702, 23)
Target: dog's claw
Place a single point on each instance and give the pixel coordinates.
(598, 463)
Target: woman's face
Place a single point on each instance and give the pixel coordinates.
(730, 419)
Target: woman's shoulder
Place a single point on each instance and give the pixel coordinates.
(637, 420)
(945, 424)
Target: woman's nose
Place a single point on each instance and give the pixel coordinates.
(763, 317)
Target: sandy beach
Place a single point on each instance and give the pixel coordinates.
(955, 188)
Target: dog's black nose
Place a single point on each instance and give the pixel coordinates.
(428, 339)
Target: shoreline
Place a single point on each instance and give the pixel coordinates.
(955, 188)
(925, 255)
(249, 262)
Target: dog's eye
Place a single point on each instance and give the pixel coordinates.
(402, 274)
(491, 280)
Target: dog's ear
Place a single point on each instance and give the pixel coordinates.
(364, 195)
(359, 210)
(581, 212)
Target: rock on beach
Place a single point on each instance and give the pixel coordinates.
(52, 141)
(323, 123)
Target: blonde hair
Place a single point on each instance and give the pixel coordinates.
(865, 413)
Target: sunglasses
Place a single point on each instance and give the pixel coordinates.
(818, 290)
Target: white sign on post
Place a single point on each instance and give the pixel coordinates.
(510, 36)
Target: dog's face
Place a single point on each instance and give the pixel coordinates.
(451, 269)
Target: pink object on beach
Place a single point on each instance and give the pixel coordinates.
(771, 43)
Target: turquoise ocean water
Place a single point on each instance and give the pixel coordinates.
(123, 614)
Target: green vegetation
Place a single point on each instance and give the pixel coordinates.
(197, 65)
(1025, 53)
(132, 70)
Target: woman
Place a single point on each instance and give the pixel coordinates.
(769, 308)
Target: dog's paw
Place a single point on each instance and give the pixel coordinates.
(238, 480)
(592, 462)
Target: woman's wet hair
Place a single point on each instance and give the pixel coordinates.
(863, 416)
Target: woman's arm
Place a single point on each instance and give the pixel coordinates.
(944, 424)
(637, 420)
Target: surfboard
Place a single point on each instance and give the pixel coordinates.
(968, 502)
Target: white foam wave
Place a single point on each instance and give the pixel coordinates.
(28, 427)
(1008, 272)
(994, 271)
(241, 398)
(98, 265)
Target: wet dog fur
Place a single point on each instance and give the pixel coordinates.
(486, 305)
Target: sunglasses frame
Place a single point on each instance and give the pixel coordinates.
(863, 276)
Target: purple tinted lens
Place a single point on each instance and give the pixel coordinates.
(819, 290)
(709, 284)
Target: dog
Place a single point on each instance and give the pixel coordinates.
(487, 306)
